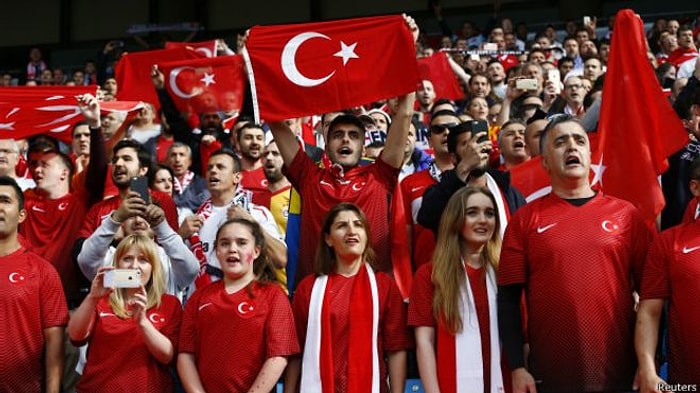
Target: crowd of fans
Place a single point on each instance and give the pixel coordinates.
(525, 296)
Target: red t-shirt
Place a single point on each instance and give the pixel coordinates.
(50, 231)
(393, 332)
(32, 300)
(672, 271)
(369, 187)
(579, 266)
(232, 335)
(256, 182)
(118, 359)
(105, 207)
(423, 240)
(681, 55)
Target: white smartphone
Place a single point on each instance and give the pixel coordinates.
(122, 278)
(526, 84)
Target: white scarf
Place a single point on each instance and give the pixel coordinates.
(311, 370)
(469, 359)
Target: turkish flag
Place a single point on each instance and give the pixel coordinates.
(637, 129)
(207, 84)
(54, 116)
(206, 48)
(436, 68)
(304, 69)
(531, 179)
(133, 72)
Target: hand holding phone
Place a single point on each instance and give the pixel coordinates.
(139, 184)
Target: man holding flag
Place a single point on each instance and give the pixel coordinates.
(342, 179)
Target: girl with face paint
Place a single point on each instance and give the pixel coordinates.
(243, 321)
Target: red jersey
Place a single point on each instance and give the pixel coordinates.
(105, 207)
(681, 55)
(369, 187)
(50, 231)
(672, 271)
(393, 333)
(579, 265)
(256, 182)
(423, 240)
(236, 330)
(118, 359)
(32, 300)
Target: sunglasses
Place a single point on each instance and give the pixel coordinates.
(438, 129)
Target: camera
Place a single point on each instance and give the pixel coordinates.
(122, 278)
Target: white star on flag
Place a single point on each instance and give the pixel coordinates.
(347, 52)
(208, 79)
(598, 171)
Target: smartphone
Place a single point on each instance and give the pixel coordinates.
(140, 184)
(478, 126)
(555, 76)
(526, 84)
(586, 20)
(490, 46)
(122, 278)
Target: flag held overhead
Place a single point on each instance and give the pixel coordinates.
(311, 68)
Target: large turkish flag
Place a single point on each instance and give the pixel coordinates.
(52, 115)
(133, 72)
(206, 85)
(305, 69)
(638, 128)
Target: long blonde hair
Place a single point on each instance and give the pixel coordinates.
(155, 287)
(449, 273)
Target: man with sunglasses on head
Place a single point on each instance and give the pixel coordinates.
(469, 148)
(577, 255)
(413, 186)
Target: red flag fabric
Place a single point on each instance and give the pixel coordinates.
(133, 72)
(400, 251)
(14, 94)
(206, 48)
(304, 69)
(54, 116)
(531, 179)
(207, 84)
(637, 129)
(436, 69)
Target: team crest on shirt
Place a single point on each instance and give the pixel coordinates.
(17, 278)
(358, 186)
(610, 226)
(246, 309)
(156, 319)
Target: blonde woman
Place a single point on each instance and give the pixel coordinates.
(131, 331)
(453, 300)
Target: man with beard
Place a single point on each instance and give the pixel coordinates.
(129, 159)
(426, 98)
(470, 154)
(250, 140)
(280, 188)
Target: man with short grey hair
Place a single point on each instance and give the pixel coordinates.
(9, 157)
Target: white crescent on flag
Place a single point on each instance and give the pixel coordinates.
(289, 61)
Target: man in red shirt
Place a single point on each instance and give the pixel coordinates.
(413, 186)
(34, 312)
(672, 273)
(577, 254)
(343, 180)
(54, 212)
(686, 47)
(250, 141)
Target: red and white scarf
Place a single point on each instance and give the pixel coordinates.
(501, 203)
(317, 374)
(180, 186)
(460, 361)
